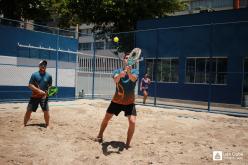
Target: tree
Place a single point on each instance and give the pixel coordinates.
(106, 15)
(114, 16)
(119, 15)
(25, 9)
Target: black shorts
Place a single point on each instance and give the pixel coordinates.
(115, 108)
(34, 103)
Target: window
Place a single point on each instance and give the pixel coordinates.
(167, 69)
(84, 32)
(85, 46)
(174, 70)
(198, 70)
(190, 70)
(149, 63)
(197, 4)
(99, 45)
(221, 72)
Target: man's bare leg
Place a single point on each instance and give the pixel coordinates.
(131, 128)
(46, 117)
(104, 124)
(27, 117)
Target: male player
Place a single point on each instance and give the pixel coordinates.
(39, 83)
(123, 99)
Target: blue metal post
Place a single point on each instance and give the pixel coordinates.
(210, 67)
(93, 67)
(155, 69)
(57, 58)
(243, 81)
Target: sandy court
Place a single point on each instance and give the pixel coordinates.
(162, 136)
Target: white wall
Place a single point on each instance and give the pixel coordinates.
(16, 71)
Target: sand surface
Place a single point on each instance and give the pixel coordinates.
(162, 136)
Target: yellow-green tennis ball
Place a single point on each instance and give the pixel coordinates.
(116, 39)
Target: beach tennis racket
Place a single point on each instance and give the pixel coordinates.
(52, 91)
(134, 57)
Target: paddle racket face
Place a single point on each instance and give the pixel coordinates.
(52, 91)
(134, 56)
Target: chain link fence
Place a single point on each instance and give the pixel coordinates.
(197, 67)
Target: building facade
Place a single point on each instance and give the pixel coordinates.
(201, 57)
(197, 6)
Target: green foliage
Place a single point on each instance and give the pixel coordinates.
(113, 16)
(25, 9)
(120, 15)
(108, 16)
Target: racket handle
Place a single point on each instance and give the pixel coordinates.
(127, 71)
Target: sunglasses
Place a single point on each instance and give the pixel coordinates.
(125, 58)
(43, 66)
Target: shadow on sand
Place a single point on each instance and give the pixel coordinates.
(112, 147)
(43, 125)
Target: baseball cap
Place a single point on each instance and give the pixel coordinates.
(43, 62)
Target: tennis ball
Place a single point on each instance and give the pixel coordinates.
(116, 39)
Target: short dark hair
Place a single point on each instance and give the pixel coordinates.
(125, 55)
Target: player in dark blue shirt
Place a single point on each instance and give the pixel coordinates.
(39, 83)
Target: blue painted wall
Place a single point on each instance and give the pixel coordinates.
(175, 37)
(11, 36)
(23, 93)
